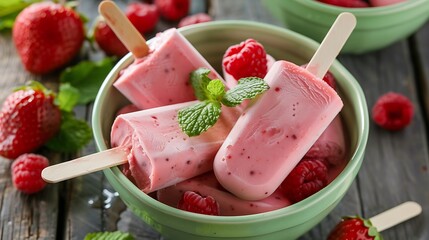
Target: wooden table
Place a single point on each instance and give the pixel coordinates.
(395, 167)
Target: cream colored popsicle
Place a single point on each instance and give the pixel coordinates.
(229, 205)
(160, 154)
(274, 133)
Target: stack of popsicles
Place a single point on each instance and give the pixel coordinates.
(251, 151)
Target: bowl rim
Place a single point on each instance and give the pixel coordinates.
(354, 163)
(364, 12)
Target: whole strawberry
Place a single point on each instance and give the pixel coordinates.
(28, 119)
(352, 228)
(47, 36)
(173, 10)
(27, 173)
(108, 41)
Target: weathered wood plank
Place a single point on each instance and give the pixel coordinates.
(392, 171)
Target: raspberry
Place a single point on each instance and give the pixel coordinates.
(194, 19)
(247, 59)
(307, 178)
(143, 16)
(328, 78)
(173, 10)
(27, 172)
(346, 3)
(194, 202)
(393, 111)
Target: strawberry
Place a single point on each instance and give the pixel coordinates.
(108, 41)
(351, 228)
(173, 10)
(143, 16)
(47, 36)
(194, 202)
(29, 118)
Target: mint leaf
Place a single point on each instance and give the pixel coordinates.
(199, 81)
(247, 88)
(109, 236)
(68, 97)
(73, 135)
(87, 77)
(216, 89)
(195, 119)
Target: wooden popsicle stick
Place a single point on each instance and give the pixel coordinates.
(123, 28)
(85, 165)
(332, 44)
(396, 215)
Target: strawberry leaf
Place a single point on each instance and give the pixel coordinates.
(68, 97)
(73, 135)
(87, 77)
(9, 9)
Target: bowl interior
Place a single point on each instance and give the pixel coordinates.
(211, 40)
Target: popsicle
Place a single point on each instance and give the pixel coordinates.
(331, 144)
(380, 3)
(159, 75)
(230, 205)
(160, 154)
(273, 134)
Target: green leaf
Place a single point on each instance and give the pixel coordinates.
(247, 88)
(87, 77)
(9, 9)
(68, 97)
(195, 119)
(73, 135)
(216, 88)
(199, 81)
(109, 236)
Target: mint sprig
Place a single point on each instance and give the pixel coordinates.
(117, 235)
(196, 119)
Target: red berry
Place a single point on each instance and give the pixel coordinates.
(393, 111)
(28, 119)
(307, 178)
(108, 41)
(328, 78)
(47, 36)
(247, 59)
(194, 19)
(173, 10)
(194, 202)
(27, 173)
(351, 228)
(143, 16)
(346, 3)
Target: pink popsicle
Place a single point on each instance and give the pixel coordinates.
(273, 135)
(229, 204)
(380, 3)
(331, 144)
(162, 77)
(160, 154)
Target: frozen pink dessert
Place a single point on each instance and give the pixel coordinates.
(272, 135)
(162, 77)
(160, 153)
(331, 145)
(380, 3)
(230, 205)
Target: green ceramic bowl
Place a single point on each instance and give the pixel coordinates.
(212, 39)
(377, 27)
